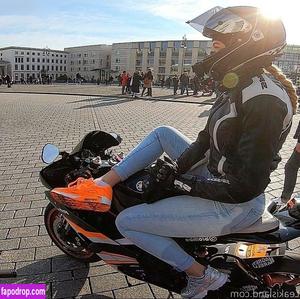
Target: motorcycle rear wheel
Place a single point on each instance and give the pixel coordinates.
(55, 224)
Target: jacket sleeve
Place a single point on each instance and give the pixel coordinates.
(262, 124)
(195, 152)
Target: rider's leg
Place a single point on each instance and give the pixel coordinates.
(152, 226)
(162, 139)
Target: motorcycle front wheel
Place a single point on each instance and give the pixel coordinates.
(65, 238)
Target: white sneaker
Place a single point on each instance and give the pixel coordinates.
(197, 287)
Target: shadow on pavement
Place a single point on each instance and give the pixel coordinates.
(104, 102)
(63, 276)
(204, 113)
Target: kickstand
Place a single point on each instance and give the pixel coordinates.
(170, 295)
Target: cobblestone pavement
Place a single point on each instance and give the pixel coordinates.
(103, 90)
(30, 121)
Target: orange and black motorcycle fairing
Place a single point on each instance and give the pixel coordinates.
(257, 259)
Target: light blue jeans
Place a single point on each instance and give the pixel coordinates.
(152, 226)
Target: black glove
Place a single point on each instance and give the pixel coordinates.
(166, 171)
(161, 180)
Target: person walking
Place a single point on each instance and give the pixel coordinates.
(8, 81)
(175, 84)
(135, 84)
(184, 83)
(124, 78)
(148, 79)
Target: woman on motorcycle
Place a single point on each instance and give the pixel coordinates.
(245, 131)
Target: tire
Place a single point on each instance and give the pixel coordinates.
(53, 218)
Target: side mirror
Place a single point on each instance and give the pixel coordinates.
(49, 153)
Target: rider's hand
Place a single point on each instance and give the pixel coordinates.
(166, 171)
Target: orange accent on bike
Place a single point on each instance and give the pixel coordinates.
(86, 233)
(84, 194)
(115, 259)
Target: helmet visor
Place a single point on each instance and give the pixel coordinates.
(220, 20)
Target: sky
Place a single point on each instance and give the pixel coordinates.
(64, 23)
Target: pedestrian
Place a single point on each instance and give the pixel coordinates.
(184, 83)
(148, 79)
(162, 82)
(135, 83)
(175, 84)
(8, 81)
(124, 78)
(128, 86)
(291, 170)
(168, 82)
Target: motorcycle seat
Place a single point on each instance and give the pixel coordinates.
(267, 222)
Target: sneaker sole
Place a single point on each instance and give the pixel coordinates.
(214, 286)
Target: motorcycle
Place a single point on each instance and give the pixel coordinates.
(257, 259)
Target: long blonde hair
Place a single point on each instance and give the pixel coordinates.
(289, 87)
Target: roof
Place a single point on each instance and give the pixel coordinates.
(35, 49)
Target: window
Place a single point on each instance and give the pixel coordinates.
(60, 55)
(56, 60)
(16, 60)
(141, 45)
(85, 55)
(177, 44)
(118, 60)
(152, 45)
(22, 53)
(43, 60)
(190, 44)
(38, 60)
(28, 53)
(52, 60)
(164, 45)
(47, 67)
(33, 60)
(52, 68)
(38, 67)
(61, 61)
(27, 67)
(16, 67)
(33, 53)
(48, 60)
(39, 54)
(22, 67)
(65, 68)
(52, 55)
(56, 68)
(60, 68)
(56, 55)
(65, 61)
(33, 67)
(22, 59)
(27, 59)
(16, 52)
(65, 56)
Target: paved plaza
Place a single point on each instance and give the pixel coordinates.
(27, 122)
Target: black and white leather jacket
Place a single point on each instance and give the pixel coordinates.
(245, 130)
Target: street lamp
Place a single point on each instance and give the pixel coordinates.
(183, 45)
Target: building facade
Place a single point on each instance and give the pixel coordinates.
(163, 57)
(35, 63)
(289, 63)
(89, 62)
